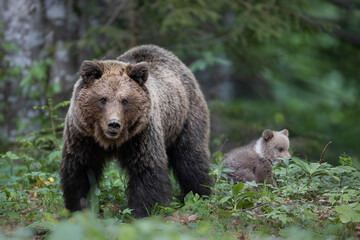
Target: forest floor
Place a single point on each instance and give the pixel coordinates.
(312, 201)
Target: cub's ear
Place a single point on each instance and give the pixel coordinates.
(285, 132)
(138, 72)
(91, 70)
(267, 134)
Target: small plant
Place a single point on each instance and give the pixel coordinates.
(51, 112)
(312, 170)
(218, 171)
(345, 160)
(37, 75)
(239, 197)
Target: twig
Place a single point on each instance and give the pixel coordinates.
(323, 151)
(221, 146)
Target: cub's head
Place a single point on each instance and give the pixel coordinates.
(273, 144)
(111, 100)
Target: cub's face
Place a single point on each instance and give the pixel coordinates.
(112, 103)
(276, 144)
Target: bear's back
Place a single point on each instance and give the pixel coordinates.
(172, 86)
(241, 157)
(162, 62)
(247, 165)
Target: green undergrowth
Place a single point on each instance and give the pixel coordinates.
(312, 200)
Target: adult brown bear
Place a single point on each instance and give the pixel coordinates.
(146, 110)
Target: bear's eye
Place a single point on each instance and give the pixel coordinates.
(281, 149)
(102, 101)
(124, 102)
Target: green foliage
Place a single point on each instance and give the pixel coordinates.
(345, 160)
(51, 112)
(205, 30)
(30, 83)
(41, 149)
(283, 54)
(37, 76)
(349, 213)
(316, 196)
(206, 59)
(237, 198)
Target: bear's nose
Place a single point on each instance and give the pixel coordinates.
(114, 123)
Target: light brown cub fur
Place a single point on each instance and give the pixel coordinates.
(253, 162)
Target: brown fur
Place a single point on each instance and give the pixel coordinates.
(116, 86)
(145, 109)
(253, 162)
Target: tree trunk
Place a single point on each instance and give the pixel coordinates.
(39, 28)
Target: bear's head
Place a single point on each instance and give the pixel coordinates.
(273, 145)
(111, 101)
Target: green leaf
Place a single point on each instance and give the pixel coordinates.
(189, 198)
(283, 218)
(348, 214)
(11, 155)
(237, 188)
(343, 169)
(62, 104)
(313, 168)
(54, 155)
(248, 194)
(303, 165)
(224, 199)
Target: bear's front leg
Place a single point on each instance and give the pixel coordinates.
(145, 160)
(81, 167)
(74, 183)
(147, 188)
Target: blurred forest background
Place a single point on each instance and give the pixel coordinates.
(261, 64)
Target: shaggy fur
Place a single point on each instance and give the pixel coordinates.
(146, 110)
(253, 162)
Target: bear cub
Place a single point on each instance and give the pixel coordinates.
(144, 109)
(253, 162)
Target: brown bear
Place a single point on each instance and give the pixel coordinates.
(146, 110)
(254, 161)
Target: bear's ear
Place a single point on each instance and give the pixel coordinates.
(285, 132)
(267, 134)
(91, 70)
(138, 72)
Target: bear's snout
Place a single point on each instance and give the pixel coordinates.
(114, 123)
(287, 155)
(113, 127)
